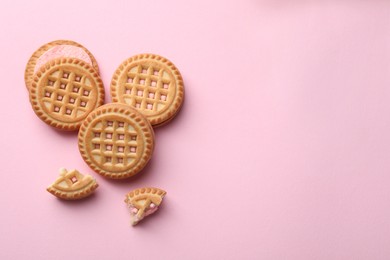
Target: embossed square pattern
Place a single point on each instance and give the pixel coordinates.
(67, 92)
(147, 86)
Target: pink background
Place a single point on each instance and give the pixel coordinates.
(281, 150)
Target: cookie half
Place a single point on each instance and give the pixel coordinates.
(143, 202)
(64, 91)
(116, 141)
(57, 49)
(151, 84)
(72, 185)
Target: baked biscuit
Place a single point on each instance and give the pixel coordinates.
(64, 91)
(72, 185)
(116, 141)
(143, 202)
(151, 84)
(57, 49)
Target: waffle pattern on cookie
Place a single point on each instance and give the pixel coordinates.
(68, 93)
(149, 195)
(151, 84)
(65, 91)
(116, 141)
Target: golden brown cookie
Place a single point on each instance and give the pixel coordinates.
(59, 47)
(143, 202)
(65, 91)
(151, 84)
(72, 185)
(116, 141)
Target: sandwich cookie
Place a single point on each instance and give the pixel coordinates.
(151, 84)
(116, 141)
(64, 91)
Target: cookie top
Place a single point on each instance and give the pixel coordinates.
(116, 141)
(144, 196)
(64, 91)
(57, 49)
(151, 84)
(72, 185)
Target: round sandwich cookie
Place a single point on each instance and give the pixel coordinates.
(116, 141)
(151, 84)
(57, 49)
(64, 91)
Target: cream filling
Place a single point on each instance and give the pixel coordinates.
(134, 218)
(60, 51)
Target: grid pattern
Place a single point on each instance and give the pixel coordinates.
(114, 143)
(146, 88)
(67, 94)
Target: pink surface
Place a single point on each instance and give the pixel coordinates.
(283, 142)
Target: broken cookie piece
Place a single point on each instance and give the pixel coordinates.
(72, 185)
(143, 202)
